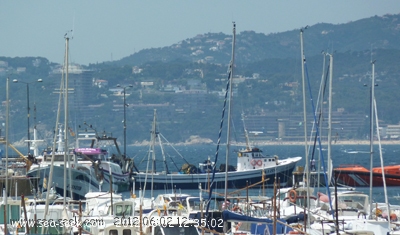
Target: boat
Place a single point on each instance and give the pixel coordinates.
(253, 166)
(90, 169)
(359, 176)
(354, 151)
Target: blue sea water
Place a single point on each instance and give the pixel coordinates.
(176, 155)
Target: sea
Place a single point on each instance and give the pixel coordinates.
(174, 156)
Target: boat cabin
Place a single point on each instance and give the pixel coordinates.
(92, 154)
(193, 204)
(352, 203)
(253, 158)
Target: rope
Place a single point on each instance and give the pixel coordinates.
(218, 143)
(319, 139)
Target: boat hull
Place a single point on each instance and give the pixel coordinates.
(361, 178)
(81, 184)
(236, 179)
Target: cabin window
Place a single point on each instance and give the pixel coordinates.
(265, 160)
(126, 232)
(113, 232)
(119, 210)
(128, 211)
(82, 177)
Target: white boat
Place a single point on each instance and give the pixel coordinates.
(83, 178)
(88, 174)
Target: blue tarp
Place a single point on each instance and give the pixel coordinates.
(259, 225)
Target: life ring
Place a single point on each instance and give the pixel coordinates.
(292, 195)
(259, 163)
(253, 162)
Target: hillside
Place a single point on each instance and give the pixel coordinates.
(267, 68)
(376, 32)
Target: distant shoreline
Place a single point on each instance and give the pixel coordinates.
(299, 143)
(201, 141)
(340, 142)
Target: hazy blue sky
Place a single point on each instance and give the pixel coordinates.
(107, 30)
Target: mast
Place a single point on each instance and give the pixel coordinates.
(229, 112)
(381, 158)
(34, 145)
(321, 104)
(303, 61)
(371, 135)
(5, 192)
(66, 120)
(330, 119)
(246, 134)
(153, 143)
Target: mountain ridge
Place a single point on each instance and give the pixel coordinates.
(381, 32)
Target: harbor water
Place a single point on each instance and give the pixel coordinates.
(174, 156)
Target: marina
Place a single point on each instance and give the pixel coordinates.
(83, 185)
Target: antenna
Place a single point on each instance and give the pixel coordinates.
(68, 32)
(371, 54)
(73, 26)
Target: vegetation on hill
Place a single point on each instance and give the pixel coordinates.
(269, 66)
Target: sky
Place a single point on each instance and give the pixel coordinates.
(105, 30)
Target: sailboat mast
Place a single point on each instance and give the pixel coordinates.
(330, 119)
(321, 104)
(303, 60)
(5, 192)
(371, 135)
(229, 111)
(246, 134)
(65, 121)
(381, 158)
(153, 143)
